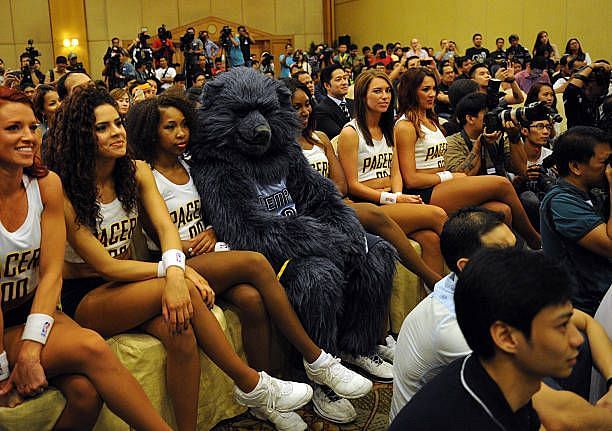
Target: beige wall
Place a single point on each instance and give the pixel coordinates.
(21, 20)
(124, 18)
(370, 21)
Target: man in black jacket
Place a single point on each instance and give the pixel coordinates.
(334, 110)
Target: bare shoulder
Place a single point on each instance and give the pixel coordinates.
(50, 187)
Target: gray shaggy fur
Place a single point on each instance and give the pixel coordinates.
(246, 137)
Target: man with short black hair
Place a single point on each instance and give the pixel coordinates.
(245, 44)
(516, 51)
(498, 56)
(286, 60)
(334, 110)
(443, 107)
(61, 63)
(585, 93)
(305, 79)
(431, 338)
(477, 53)
(464, 64)
(534, 72)
(475, 151)
(575, 219)
(518, 325)
(480, 73)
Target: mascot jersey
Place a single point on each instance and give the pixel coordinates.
(20, 252)
(183, 202)
(275, 198)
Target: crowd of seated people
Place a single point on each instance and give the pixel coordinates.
(496, 162)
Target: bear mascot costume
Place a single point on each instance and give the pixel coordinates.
(259, 193)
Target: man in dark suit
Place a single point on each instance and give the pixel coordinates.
(334, 110)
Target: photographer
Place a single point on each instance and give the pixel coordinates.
(74, 65)
(163, 46)
(479, 73)
(286, 60)
(192, 48)
(231, 45)
(112, 64)
(585, 93)
(538, 179)
(201, 67)
(142, 54)
(245, 44)
(477, 151)
(266, 64)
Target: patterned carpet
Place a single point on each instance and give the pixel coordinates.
(372, 415)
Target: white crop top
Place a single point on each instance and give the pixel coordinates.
(20, 252)
(317, 158)
(183, 202)
(114, 232)
(373, 161)
(429, 149)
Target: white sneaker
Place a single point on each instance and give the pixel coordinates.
(341, 380)
(374, 365)
(387, 351)
(331, 407)
(275, 394)
(289, 421)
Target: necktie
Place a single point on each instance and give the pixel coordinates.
(345, 110)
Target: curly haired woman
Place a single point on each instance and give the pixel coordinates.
(108, 292)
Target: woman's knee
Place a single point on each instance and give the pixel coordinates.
(82, 397)
(428, 239)
(90, 347)
(250, 303)
(438, 217)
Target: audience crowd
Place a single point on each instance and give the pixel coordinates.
(496, 161)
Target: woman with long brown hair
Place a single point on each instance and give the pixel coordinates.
(368, 157)
(421, 147)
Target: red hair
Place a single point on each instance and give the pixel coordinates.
(9, 95)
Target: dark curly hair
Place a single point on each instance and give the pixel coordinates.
(143, 119)
(39, 100)
(9, 95)
(72, 150)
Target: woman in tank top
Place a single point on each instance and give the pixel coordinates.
(51, 347)
(421, 147)
(319, 152)
(159, 130)
(88, 149)
(375, 178)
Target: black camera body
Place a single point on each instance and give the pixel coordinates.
(32, 52)
(163, 33)
(224, 37)
(266, 58)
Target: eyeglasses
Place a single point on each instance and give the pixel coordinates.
(541, 127)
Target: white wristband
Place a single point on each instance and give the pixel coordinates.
(444, 176)
(5, 371)
(387, 198)
(173, 257)
(161, 270)
(209, 227)
(37, 327)
(221, 246)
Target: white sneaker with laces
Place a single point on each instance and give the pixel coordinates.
(289, 421)
(331, 407)
(374, 365)
(341, 380)
(275, 394)
(387, 351)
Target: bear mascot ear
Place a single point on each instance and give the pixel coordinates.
(210, 91)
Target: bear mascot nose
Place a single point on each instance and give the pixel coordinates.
(262, 134)
(255, 129)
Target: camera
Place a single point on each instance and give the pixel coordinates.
(224, 38)
(494, 119)
(266, 58)
(163, 33)
(32, 52)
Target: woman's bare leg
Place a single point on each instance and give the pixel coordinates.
(374, 220)
(476, 190)
(182, 371)
(111, 310)
(71, 349)
(83, 403)
(227, 269)
(416, 219)
(254, 322)
(502, 208)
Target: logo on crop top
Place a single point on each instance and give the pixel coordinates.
(380, 163)
(436, 151)
(118, 232)
(13, 266)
